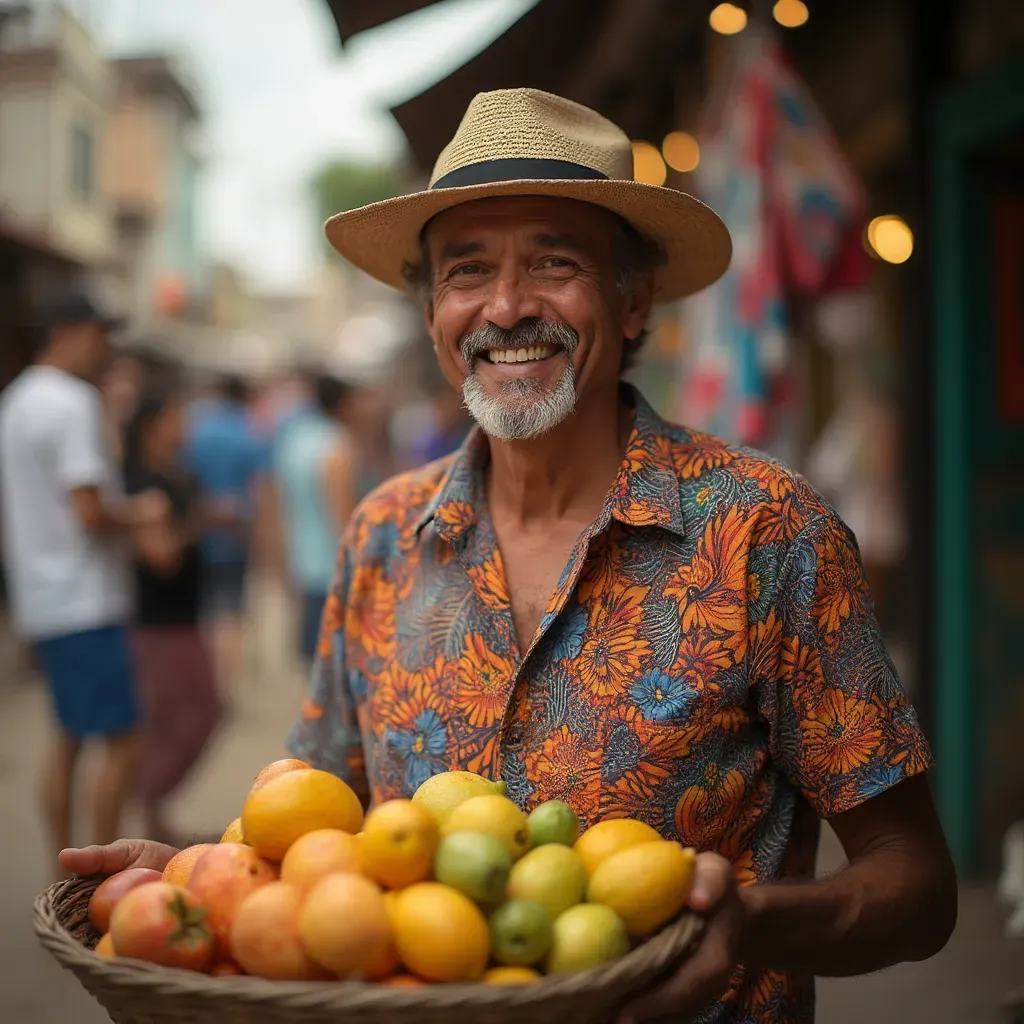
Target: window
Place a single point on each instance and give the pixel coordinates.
(81, 161)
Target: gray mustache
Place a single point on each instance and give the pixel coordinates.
(528, 332)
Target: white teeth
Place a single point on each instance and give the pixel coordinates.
(519, 355)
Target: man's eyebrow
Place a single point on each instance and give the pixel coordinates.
(453, 250)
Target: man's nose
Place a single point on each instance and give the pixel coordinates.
(511, 298)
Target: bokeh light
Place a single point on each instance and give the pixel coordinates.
(681, 151)
(890, 238)
(728, 19)
(648, 165)
(791, 13)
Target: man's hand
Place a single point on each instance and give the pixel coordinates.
(706, 974)
(150, 506)
(109, 860)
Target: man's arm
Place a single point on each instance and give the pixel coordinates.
(123, 516)
(339, 473)
(896, 900)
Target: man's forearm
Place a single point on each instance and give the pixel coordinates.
(881, 910)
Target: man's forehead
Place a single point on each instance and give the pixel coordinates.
(547, 217)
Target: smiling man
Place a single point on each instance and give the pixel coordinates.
(604, 608)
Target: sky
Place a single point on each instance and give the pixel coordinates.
(280, 97)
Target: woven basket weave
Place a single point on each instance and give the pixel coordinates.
(133, 992)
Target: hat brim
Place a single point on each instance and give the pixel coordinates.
(381, 238)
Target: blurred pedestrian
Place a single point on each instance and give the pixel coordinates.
(230, 463)
(66, 522)
(367, 414)
(316, 468)
(177, 689)
(119, 389)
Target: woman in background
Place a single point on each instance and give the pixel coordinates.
(181, 707)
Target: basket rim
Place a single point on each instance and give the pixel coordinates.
(647, 961)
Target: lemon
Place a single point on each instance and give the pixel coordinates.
(646, 885)
(611, 836)
(553, 876)
(233, 833)
(442, 793)
(398, 843)
(511, 976)
(586, 936)
(495, 815)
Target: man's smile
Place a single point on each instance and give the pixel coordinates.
(530, 354)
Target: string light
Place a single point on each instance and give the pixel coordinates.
(890, 238)
(648, 165)
(728, 19)
(791, 13)
(681, 151)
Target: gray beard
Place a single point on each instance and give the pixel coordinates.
(522, 410)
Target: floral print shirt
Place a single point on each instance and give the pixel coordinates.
(709, 662)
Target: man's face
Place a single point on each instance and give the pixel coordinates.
(92, 351)
(526, 316)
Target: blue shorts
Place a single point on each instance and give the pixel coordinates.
(309, 634)
(92, 682)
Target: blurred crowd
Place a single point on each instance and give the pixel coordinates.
(139, 498)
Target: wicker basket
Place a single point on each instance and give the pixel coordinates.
(133, 992)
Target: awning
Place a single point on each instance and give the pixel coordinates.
(629, 59)
(352, 16)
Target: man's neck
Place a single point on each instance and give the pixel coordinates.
(55, 362)
(566, 473)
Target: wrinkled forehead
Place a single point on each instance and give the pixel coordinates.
(544, 216)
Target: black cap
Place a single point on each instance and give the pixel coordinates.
(72, 309)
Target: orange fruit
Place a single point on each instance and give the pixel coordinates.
(321, 852)
(399, 840)
(225, 875)
(265, 935)
(179, 868)
(511, 976)
(403, 981)
(388, 962)
(225, 969)
(600, 841)
(441, 934)
(300, 801)
(344, 924)
(233, 833)
(276, 768)
(105, 947)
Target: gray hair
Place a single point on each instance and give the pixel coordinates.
(634, 256)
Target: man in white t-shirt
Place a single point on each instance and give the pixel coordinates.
(66, 527)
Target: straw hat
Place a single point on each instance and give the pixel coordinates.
(526, 142)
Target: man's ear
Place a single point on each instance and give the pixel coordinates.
(637, 309)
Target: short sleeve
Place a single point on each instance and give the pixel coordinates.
(327, 732)
(83, 458)
(842, 727)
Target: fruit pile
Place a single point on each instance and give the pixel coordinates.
(454, 885)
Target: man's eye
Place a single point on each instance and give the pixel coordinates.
(465, 270)
(557, 263)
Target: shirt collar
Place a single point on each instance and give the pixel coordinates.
(645, 492)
